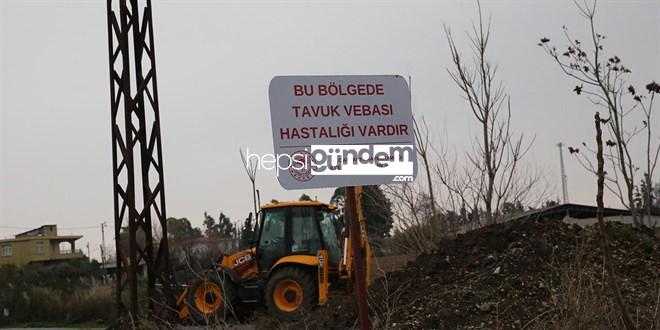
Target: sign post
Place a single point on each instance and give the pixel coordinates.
(344, 131)
(353, 195)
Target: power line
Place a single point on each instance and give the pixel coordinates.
(59, 228)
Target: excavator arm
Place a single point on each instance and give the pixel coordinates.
(346, 263)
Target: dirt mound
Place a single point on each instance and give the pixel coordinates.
(520, 274)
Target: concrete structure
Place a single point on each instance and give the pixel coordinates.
(585, 215)
(39, 245)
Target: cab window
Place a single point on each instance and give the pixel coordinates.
(272, 243)
(330, 236)
(304, 232)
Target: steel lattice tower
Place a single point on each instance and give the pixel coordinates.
(137, 158)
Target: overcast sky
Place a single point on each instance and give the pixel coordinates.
(215, 60)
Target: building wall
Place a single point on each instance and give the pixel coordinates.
(26, 251)
(22, 252)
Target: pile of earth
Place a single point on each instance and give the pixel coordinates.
(520, 274)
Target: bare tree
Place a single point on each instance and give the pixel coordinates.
(600, 173)
(251, 171)
(419, 222)
(416, 230)
(651, 155)
(423, 143)
(492, 175)
(603, 81)
(479, 185)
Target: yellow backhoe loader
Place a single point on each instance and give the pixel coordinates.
(295, 257)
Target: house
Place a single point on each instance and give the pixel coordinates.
(202, 246)
(39, 245)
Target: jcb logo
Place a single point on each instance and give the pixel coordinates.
(242, 259)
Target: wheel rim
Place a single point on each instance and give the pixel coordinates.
(208, 297)
(288, 295)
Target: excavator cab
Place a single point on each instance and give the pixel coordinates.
(296, 228)
(287, 269)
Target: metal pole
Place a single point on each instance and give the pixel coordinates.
(103, 243)
(564, 183)
(358, 262)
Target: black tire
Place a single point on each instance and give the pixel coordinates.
(212, 312)
(289, 278)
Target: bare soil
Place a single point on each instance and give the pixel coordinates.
(509, 276)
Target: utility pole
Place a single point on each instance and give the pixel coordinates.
(353, 196)
(89, 256)
(103, 224)
(564, 188)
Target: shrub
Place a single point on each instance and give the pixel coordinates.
(68, 292)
